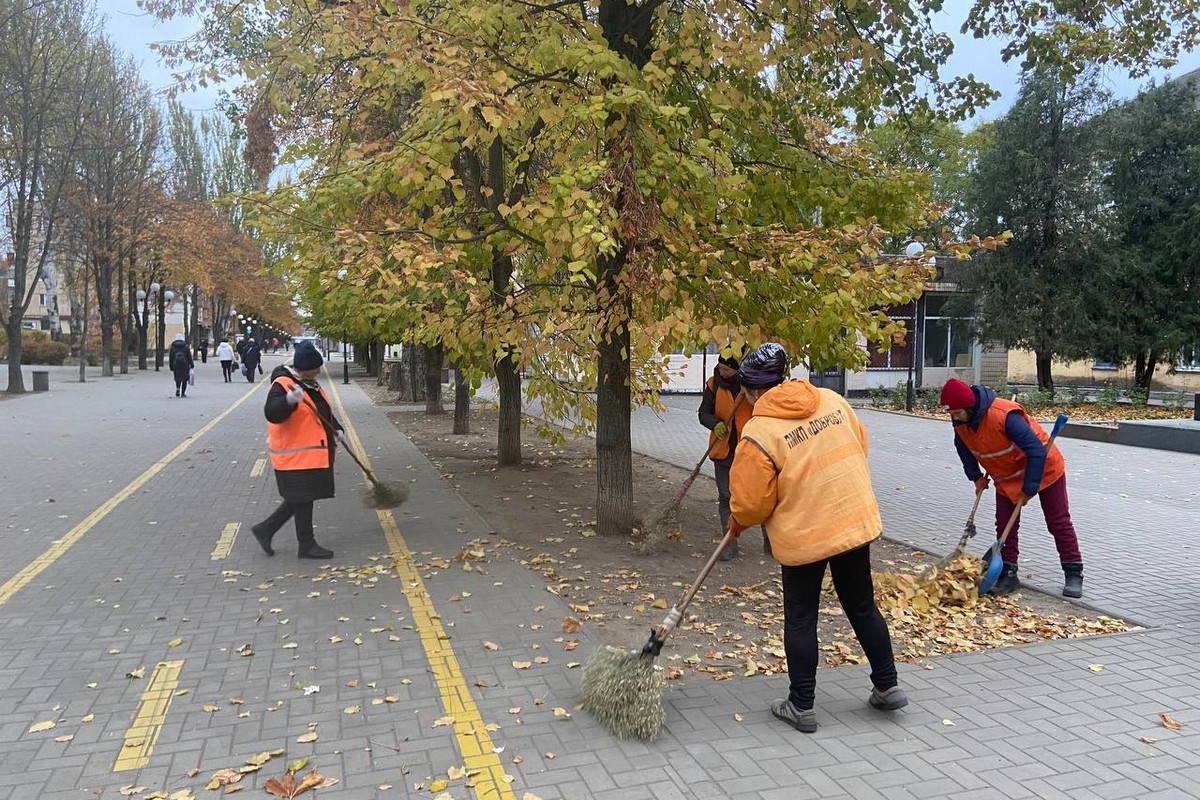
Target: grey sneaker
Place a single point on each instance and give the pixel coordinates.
(803, 721)
(888, 699)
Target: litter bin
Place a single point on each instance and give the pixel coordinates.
(41, 380)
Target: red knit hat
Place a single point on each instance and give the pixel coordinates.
(957, 395)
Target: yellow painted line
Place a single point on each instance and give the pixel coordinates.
(225, 543)
(148, 722)
(474, 742)
(19, 581)
(258, 468)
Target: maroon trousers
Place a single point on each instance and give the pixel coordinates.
(1058, 520)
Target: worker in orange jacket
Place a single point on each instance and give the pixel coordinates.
(995, 437)
(724, 411)
(302, 436)
(801, 470)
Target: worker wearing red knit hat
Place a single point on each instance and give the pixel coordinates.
(995, 437)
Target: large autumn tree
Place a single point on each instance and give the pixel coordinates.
(580, 187)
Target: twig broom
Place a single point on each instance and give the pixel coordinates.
(623, 690)
(379, 494)
(662, 522)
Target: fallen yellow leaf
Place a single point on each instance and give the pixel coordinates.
(1170, 723)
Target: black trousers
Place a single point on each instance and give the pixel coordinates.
(301, 512)
(856, 593)
(227, 370)
(181, 386)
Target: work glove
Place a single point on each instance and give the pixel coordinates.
(735, 527)
(982, 483)
(295, 395)
(721, 430)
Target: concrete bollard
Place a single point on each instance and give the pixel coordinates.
(41, 380)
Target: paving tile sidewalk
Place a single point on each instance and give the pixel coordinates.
(1028, 722)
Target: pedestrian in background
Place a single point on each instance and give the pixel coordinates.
(301, 437)
(723, 399)
(204, 350)
(180, 362)
(251, 355)
(225, 356)
(801, 470)
(996, 436)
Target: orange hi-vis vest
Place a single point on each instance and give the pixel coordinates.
(999, 457)
(801, 469)
(301, 441)
(726, 400)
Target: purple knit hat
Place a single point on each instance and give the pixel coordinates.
(765, 367)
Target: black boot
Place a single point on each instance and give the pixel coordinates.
(264, 540)
(729, 552)
(1073, 570)
(314, 550)
(1007, 583)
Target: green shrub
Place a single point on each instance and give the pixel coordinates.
(1039, 398)
(930, 398)
(1074, 396)
(1139, 397)
(44, 352)
(1107, 397)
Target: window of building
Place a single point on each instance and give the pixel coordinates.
(1105, 365)
(42, 299)
(947, 339)
(898, 356)
(1189, 358)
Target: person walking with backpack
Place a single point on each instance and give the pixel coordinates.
(180, 362)
(801, 470)
(995, 437)
(302, 438)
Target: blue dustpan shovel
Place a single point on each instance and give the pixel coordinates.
(993, 564)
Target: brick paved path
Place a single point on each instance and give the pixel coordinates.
(1028, 722)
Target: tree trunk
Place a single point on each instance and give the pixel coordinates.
(508, 440)
(106, 349)
(1143, 370)
(83, 340)
(433, 379)
(462, 401)
(143, 330)
(409, 376)
(614, 451)
(376, 358)
(1045, 380)
(16, 382)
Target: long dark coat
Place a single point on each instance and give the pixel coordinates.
(302, 485)
(251, 355)
(180, 360)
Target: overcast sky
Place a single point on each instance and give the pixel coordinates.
(133, 30)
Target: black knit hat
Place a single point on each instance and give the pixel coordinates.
(728, 361)
(306, 356)
(765, 367)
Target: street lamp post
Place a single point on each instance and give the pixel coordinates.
(912, 250)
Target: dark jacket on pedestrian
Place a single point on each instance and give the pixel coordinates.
(301, 485)
(251, 355)
(180, 360)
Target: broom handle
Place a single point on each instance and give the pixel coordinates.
(687, 484)
(686, 599)
(345, 444)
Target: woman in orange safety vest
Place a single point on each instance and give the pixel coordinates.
(302, 446)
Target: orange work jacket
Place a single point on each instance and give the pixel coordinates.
(801, 470)
(999, 457)
(718, 450)
(301, 441)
